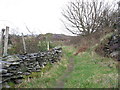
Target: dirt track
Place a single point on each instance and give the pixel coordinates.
(61, 81)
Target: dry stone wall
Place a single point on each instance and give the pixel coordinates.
(15, 66)
(112, 48)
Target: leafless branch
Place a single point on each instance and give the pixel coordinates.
(87, 17)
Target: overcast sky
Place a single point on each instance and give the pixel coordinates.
(41, 16)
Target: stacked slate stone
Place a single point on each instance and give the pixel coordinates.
(15, 66)
(112, 48)
(58, 53)
(10, 68)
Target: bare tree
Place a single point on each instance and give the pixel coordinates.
(86, 17)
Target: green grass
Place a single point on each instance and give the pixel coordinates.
(92, 71)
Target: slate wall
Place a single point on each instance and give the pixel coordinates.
(112, 47)
(13, 67)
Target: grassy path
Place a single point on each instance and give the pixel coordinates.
(92, 71)
(87, 70)
(60, 82)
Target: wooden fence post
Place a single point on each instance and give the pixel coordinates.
(6, 41)
(118, 18)
(118, 27)
(48, 45)
(1, 42)
(24, 45)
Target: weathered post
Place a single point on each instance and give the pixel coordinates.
(6, 41)
(24, 45)
(47, 42)
(1, 41)
(48, 45)
(118, 22)
(1, 52)
(118, 29)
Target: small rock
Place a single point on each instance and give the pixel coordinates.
(18, 81)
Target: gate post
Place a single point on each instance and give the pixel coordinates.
(6, 41)
(118, 28)
(24, 45)
(1, 42)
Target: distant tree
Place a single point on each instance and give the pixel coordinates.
(86, 17)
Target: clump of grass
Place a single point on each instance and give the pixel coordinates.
(38, 74)
(11, 84)
(106, 36)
